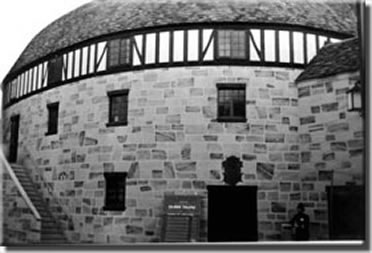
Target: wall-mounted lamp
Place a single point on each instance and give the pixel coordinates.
(355, 98)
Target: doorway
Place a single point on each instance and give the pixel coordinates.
(14, 132)
(346, 212)
(232, 213)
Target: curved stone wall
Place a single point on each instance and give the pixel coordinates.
(171, 145)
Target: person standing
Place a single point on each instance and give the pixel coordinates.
(300, 224)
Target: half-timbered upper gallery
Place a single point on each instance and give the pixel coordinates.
(177, 121)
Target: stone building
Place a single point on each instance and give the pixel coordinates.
(132, 121)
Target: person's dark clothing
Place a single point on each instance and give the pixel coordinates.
(300, 223)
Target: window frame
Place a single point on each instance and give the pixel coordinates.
(111, 95)
(129, 64)
(231, 86)
(52, 130)
(231, 37)
(115, 180)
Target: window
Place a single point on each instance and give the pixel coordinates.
(119, 53)
(298, 47)
(118, 107)
(115, 191)
(231, 102)
(52, 118)
(164, 47)
(231, 44)
(178, 46)
(55, 70)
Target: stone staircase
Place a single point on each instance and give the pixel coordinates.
(51, 232)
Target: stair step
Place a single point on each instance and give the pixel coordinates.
(27, 184)
(52, 237)
(54, 242)
(21, 174)
(51, 231)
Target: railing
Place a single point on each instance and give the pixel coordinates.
(19, 186)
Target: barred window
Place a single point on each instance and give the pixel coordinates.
(119, 52)
(231, 102)
(118, 107)
(231, 44)
(115, 191)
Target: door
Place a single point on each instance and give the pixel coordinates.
(232, 213)
(14, 132)
(346, 212)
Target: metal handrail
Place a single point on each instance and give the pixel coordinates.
(19, 186)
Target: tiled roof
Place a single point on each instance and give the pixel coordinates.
(333, 59)
(101, 17)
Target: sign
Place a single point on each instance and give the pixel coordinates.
(181, 219)
(182, 205)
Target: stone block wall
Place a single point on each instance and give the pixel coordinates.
(331, 141)
(172, 145)
(19, 223)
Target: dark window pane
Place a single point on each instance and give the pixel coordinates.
(118, 108)
(239, 109)
(119, 52)
(114, 47)
(52, 118)
(115, 191)
(231, 103)
(124, 51)
(55, 67)
(224, 109)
